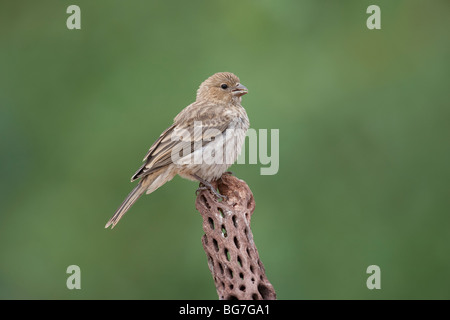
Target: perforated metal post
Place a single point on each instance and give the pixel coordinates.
(232, 256)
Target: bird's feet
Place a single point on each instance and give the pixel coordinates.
(211, 188)
(201, 187)
(205, 185)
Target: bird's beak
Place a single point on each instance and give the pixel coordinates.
(239, 90)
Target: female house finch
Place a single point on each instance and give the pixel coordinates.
(202, 143)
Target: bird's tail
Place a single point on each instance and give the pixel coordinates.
(147, 184)
(127, 203)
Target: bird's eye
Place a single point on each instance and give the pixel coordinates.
(224, 86)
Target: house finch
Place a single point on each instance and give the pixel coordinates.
(204, 140)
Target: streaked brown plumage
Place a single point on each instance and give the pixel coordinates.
(224, 124)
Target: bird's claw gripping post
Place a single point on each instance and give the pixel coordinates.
(211, 188)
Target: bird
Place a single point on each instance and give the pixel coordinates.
(205, 139)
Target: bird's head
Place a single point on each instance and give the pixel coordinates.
(223, 87)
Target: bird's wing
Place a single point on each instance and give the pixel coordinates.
(163, 139)
(182, 140)
(160, 144)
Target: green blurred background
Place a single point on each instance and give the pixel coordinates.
(364, 124)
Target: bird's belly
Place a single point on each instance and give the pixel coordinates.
(218, 155)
